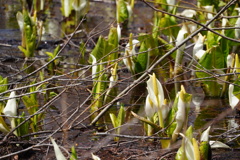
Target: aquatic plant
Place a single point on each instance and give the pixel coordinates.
(11, 111)
(28, 28)
(124, 10)
(233, 100)
(237, 24)
(118, 120)
(130, 53)
(191, 149)
(52, 67)
(104, 51)
(175, 118)
(31, 103)
(137, 61)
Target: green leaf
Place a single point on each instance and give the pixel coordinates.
(73, 154)
(3, 126)
(112, 44)
(169, 26)
(114, 120)
(121, 116)
(205, 151)
(99, 50)
(180, 154)
(189, 132)
(212, 59)
(142, 59)
(3, 84)
(122, 11)
(23, 129)
(50, 55)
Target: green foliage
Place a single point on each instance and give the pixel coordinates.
(99, 87)
(32, 105)
(169, 26)
(112, 45)
(29, 33)
(122, 11)
(24, 128)
(73, 154)
(118, 120)
(3, 84)
(53, 66)
(205, 151)
(142, 59)
(213, 59)
(99, 51)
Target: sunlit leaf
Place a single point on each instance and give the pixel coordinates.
(73, 154)
(122, 11)
(58, 153)
(94, 157)
(218, 144)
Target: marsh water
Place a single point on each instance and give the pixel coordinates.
(205, 110)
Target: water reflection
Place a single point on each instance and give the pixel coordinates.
(8, 12)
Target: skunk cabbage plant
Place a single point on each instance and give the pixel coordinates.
(182, 107)
(155, 99)
(233, 100)
(11, 110)
(198, 47)
(237, 24)
(129, 54)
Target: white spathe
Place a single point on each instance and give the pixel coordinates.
(224, 24)
(150, 109)
(230, 59)
(181, 112)
(233, 100)
(67, 7)
(20, 20)
(94, 157)
(218, 144)
(209, 15)
(180, 115)
(237, 24)
(155, 101)
(94, 66)
(11, 106)
(192, 27)
(171, 2)
(189, 149)
(199, 44)
(11, 110)
(113, 79)
(79, 5)
(189, 13)
(119, 32)
(181, 35)
(58, 153)
(155, 91)
(200, 53)
(205, 135)
(129, 53)
(209, 9)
